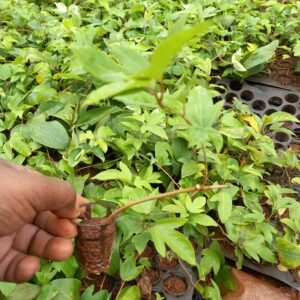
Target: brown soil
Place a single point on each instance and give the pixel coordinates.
(94, 244)
(148, 252)
(83, 169)
(152, 274)
(295, 146)
(145, 282)
(283, 177)
(167, 263)
(283, 70)
(175, 285)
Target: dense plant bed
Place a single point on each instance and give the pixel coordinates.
(117, 98)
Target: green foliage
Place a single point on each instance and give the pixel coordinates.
(131, 292)
(89, 294)
(50, 134)
(26, 291)
(116, 97)
(163, 232)
(289, 253)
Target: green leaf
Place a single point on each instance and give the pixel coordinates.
(133, 194)
(50, 108)
(158, 242)
(6, 288)
(24, 291)
(190, 167)
(279, 116)
(18, 144)
(267, 230)
(236, 63)
(140, 98)
(89, 294)
(130, 226)
(92, 116)
(50, 134)
(99, 64)
(5, 72)
(203, 220)
(68, 266)
(266, 254)
(132, 293)
(171, 223)
(180, 244)
(289, 253)
(209, 261)
(212, 292)
(261, 55)
(123, 175)
(47, 292)
(296, 180)
(296, 48)
(128, 269)
(141, 240)
(195, 206)
(167, 49)
(234, 132)
(113, 89)
(131, 60)
(200, 109)
(68, 289)
(163, 233)
(155, 129)
(178, 208)
(224, 197)
(225, 277)
(162, 151)
(227, 20)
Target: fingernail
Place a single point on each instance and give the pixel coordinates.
(76, 221)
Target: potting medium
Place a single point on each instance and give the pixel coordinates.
(94, 244)
(178, 268)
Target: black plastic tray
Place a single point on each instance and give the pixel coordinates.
(185, 271)
(264, 98)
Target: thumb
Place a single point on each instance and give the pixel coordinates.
(57, 196)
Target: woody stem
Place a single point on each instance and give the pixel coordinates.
(197, 188)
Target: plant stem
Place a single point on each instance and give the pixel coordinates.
(198, 187)
(205, 178)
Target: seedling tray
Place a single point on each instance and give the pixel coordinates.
(262, 99)
(183, 271)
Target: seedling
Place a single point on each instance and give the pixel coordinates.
(96, 235)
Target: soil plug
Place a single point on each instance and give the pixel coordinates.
(175, 285)
(94, 244)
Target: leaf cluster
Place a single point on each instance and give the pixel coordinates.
(117, 98)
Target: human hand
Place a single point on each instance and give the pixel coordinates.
(36, 215)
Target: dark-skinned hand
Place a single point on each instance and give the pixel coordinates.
(36, 214)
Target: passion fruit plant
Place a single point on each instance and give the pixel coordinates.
(118, 99)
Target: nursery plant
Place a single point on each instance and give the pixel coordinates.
(121, 100)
